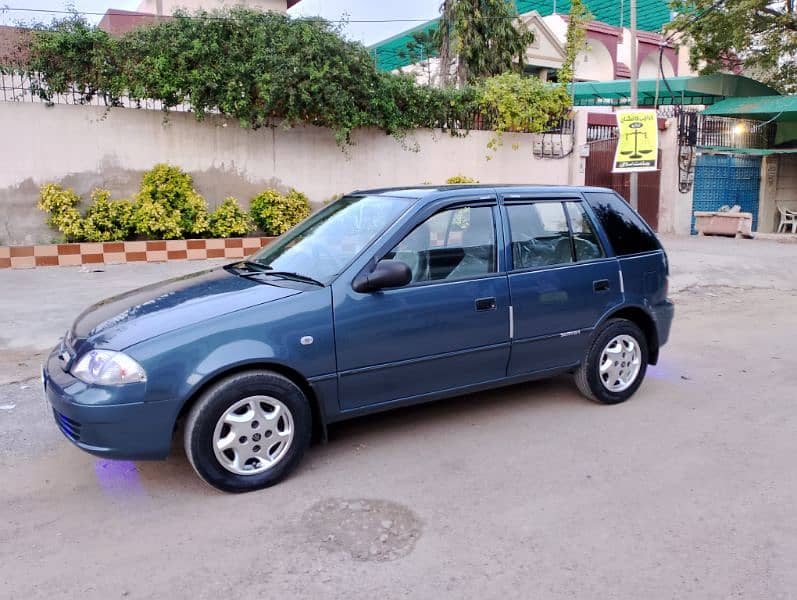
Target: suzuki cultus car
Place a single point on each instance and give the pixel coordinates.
(384, 298)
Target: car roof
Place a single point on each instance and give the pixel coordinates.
(433, 192)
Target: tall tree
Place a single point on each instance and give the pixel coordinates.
(420, 50)
(485, 38)
(757, 35)
(443, 35)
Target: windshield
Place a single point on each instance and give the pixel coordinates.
(323, 245)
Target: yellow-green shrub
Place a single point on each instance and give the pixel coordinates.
(168, 207)
(275, 213)
(108, 220)
(156, 221)
(61, 207)
(461, 179)
(229, 220)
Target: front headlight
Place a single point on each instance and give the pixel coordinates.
(106, 367)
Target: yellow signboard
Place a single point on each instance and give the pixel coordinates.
(638, 143)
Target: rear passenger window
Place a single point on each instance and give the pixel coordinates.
(625, 229)
(540, 236)
(585, 242)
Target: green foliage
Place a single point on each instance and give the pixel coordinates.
(575, 38)
(155, 221)
(485, 36)
(758, 35)
(74, 55)
(420, 49)
(168, 207)
(61, 206)
(229, 220)
(275, 213)
(521, 104)
(461, 179)
(107, 220)
(264, 69)
(55, 200)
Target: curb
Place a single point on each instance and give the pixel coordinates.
(71, 255)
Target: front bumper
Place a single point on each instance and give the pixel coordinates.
(112, 422)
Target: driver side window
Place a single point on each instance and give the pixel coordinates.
(453, 244)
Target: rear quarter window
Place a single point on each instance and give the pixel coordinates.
(626, 230)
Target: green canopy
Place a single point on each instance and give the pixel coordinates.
(748, 151)
(762, 108)
(780, 109)
(704, 89)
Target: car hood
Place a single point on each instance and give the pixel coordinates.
(135, 316)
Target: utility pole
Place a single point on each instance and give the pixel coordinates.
(634, 176)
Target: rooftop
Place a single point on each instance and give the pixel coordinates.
(652, 15)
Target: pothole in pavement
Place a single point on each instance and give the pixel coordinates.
(368, 530)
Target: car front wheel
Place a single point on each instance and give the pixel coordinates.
(248, 431)
(615, 363)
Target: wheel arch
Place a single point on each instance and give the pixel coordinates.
(642, 319)
(319, 422)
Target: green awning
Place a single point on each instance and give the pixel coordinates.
(761, 108)
(780, 109)
(704, 89)
(746, 151)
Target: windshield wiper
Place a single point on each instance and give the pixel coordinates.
(257, 269)
(294, 276)
(251, 265)
(268, 272)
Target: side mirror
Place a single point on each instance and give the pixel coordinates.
(386, 274)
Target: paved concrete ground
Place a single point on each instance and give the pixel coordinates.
(686, 491)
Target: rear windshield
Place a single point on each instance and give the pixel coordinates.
(626, 230)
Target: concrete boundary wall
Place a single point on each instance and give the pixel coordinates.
(84, 147)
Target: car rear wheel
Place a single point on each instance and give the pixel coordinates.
(615, 363)
(248, 431)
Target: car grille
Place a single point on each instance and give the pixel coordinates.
(69, 427)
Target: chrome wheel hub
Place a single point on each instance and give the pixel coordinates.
(620, 362)
(253, 435)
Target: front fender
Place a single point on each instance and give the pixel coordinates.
(180, 362)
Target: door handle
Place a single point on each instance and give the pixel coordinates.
(485, 304)
(602, 285)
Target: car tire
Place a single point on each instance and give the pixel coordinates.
(605, 380)
(248, 431)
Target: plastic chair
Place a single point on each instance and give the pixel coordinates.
(788, 218)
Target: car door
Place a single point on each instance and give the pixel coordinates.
(447, 329)
(561, 281)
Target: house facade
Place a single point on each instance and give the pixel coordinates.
(606, 55)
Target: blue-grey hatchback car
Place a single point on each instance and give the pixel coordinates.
(382, 299)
